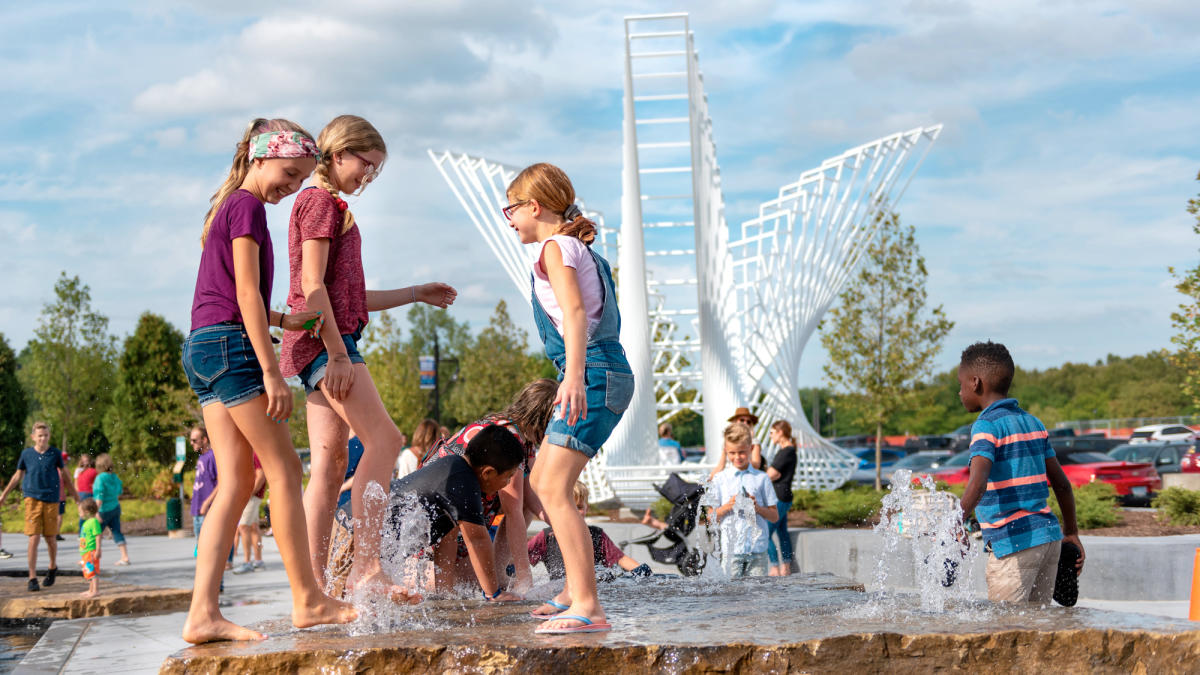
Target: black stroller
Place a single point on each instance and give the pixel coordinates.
(685, 502)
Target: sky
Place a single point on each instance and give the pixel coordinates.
(1048, 212)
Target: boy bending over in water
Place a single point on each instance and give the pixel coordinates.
(450, 491)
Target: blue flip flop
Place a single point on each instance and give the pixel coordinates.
(588, 626)
(556, 605)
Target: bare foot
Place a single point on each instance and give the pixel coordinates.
(773, 572)
(214, 630)
(378, 583)
(326, 610)
(89, 594)
(647, 518)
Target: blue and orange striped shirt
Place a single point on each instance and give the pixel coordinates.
(1013, 512)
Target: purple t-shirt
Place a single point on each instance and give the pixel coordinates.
(215, 300)
(206, 480)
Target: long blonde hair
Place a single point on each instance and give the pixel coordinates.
(344, 133)
(550, 186)
(241, 164)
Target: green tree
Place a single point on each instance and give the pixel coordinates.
(453, 339)
(13, 409)
(151, 398)
(393, 365)
(1186, 319)
(880, 342)
(494, 367)
(69, 372)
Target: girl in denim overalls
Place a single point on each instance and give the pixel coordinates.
(575, 306)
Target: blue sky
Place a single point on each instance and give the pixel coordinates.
(1048, 212)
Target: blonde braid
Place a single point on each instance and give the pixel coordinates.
(321, 178)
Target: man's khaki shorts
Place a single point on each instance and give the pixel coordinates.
(1024, 576)
(41, 517)
(250, 513)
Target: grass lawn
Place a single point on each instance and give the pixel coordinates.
(131, 509)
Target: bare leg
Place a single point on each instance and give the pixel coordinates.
(310, 606)
(247, 542)
(52, 549)
(554, 475)
(327, 437)
(204, 621)
(31, 555)
(445, 567)
(363, 410)
(256, 537)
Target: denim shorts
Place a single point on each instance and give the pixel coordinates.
(609, 391)
(312, 374)
(221, 366)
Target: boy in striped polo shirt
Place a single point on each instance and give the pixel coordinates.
(1011, 462)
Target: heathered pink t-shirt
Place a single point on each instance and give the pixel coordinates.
(575, 255)
(315, 216)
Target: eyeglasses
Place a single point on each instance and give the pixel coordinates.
(372, 171)
(745, 420)
(508, 210)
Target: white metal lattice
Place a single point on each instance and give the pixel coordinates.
(710, 319)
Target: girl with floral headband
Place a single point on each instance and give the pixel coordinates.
(575, 307)
(325, 256)
(230, 363)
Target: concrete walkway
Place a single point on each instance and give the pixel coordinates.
(139, 644)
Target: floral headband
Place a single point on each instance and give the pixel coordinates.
(282, 145)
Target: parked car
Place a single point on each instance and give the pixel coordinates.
(929, 442)
(916, 462)
(1086, 444)
(1134, 482)
(889, 456)
(954, 470)
(1166, 457)
(1162, 432)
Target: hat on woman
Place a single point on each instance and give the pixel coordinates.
(744, 412)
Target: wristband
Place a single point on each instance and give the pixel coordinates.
(493, 596)
(414, 294)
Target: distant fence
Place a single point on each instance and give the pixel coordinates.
(1123, 426)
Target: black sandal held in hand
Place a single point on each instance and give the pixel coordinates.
(1066, 584)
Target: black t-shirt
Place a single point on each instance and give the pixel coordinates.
(785, 464)
(448, 491)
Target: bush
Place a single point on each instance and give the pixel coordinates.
(661, 508)
(1095, 506)
(1178, 506)
(838, 508)
(141, 476)
(805, 500)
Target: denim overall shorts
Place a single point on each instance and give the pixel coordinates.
(607, 376)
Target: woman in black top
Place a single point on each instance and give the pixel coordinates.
(781, 472)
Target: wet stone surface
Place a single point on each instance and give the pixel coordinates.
(696, 626)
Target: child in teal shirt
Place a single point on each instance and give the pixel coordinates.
(89, 546)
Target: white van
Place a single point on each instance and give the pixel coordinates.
(1162, 432)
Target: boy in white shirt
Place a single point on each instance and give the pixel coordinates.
(747, 557)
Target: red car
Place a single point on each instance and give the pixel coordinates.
(1134, 481)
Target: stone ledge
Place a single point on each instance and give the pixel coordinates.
(62, 601)
(1066, 651)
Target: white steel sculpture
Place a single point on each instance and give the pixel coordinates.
(710, 319)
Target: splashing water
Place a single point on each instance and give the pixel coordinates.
(405, 560)
(736, 530)
(927, 524)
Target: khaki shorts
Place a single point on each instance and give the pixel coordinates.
(41, 518)
(250, 513)
(1024, 576)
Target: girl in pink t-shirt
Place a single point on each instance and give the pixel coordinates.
(325, 255)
